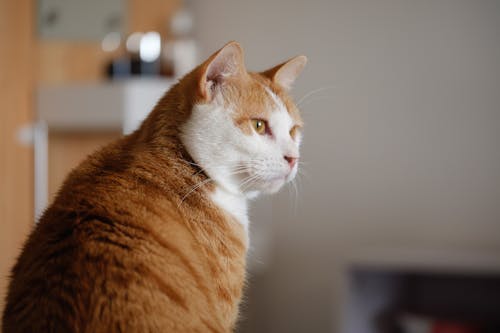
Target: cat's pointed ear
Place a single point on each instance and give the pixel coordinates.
(224, 64)
(285, 74)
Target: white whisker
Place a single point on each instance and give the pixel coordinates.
(249, 182)
(296, 201)
(312, 93)
(194, 188)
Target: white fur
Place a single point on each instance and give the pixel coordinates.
(233, 204)
(242, 166)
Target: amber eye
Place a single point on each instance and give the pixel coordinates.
(259, 126)
(293, 131)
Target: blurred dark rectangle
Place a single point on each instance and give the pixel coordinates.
(453, 297)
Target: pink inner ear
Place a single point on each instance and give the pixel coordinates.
(289, 71)
(228, 62)
(220, 68)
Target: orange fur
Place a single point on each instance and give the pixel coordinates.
(117, 252)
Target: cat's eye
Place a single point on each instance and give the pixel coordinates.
(293, 131)
(259, 126)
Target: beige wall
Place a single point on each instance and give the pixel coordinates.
(402, 151)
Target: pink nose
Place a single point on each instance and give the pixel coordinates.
(291, 160)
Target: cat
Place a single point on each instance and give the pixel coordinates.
(149, 234)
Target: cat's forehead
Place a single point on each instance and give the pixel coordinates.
(258, 98)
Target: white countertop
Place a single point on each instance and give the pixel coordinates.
(113, 105)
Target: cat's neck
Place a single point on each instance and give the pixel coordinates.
(233, 204)
(191, 185)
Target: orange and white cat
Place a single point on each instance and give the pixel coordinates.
(149, 234)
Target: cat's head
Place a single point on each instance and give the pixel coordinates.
(244, 130)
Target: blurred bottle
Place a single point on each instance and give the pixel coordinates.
(133, 45)
(139, 55)
(119, 65)
(149, 54)
(181, 51)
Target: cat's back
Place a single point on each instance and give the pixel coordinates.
(113, 254)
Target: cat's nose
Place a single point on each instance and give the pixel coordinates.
(291, 160)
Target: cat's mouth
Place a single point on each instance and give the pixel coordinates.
(272, 184)
(283, 177)
(277, 178)
(268, 181)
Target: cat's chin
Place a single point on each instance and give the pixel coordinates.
(269, 187)
(252, 194)
(274, 185)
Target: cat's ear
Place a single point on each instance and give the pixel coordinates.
(224, 64)
(285, 74)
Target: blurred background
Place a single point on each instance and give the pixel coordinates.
(395, 224)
